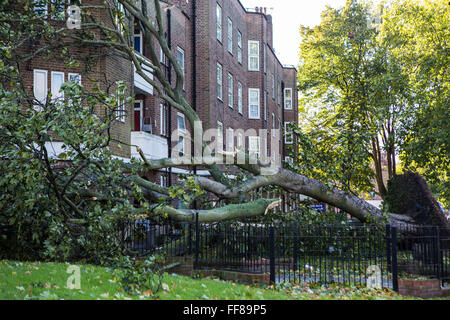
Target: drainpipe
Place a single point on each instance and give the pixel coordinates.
(282, 121)
(169, 78)
(194, 64)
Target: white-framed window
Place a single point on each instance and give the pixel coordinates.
(58, 10)
(219, 81)
(230, 139)
(219, 22)
(180, 60)
(40, 7)
(254, 147)
(240, 97)
(120, 112)
(288, 98)
(162, 56)
(57, 79)
(181, 122)
(239, 47)
(74, 77)
(288, 160)
(40, 87)
(230, 35)
(164, 181)
(230, 90)
(138, 42)
(253, 55)
(253, 103)
(162, 119)
(288, 135)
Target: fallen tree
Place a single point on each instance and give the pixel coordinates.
(85, 187)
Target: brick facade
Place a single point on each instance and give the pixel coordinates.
(191, 26)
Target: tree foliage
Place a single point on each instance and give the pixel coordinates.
(375, 91)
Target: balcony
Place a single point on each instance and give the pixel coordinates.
(140, 85)
(153, 146)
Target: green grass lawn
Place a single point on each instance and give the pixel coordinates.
(36, 280)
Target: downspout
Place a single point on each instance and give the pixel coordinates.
(194, 63)
(282, 121)
(169, 78)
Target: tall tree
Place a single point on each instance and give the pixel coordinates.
(352, 96)
(417, 35)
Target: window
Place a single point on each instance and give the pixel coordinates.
(164, 181)
(219, 22)
(74, 77)
(40, 7)
(138, 41)
(120, 112)
(180, 60)
(288, 98)
(240, 97)
(219, 81)
(230, 36)
(58, 10)
(56, 83)
(181, 122)
(253, 146)
(253, 103)
(288, 136)
(230, 90)
(162, 119)
(253, 55)
(40, 88)
(162, 56)
(239, 45)
(288, 160)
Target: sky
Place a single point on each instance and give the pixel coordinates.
(287, 16)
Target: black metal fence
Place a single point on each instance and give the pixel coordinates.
(350, 254)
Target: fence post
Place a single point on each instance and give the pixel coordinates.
(295, 246)
(394, 259)
(197, 241)
(272, 254)
(388, 248)
(438, 252)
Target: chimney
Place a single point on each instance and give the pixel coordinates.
(257, 9)
(265, 10)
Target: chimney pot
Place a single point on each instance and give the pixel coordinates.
(265, 10)
(256, 9)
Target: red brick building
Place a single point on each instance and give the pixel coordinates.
(233, 79)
